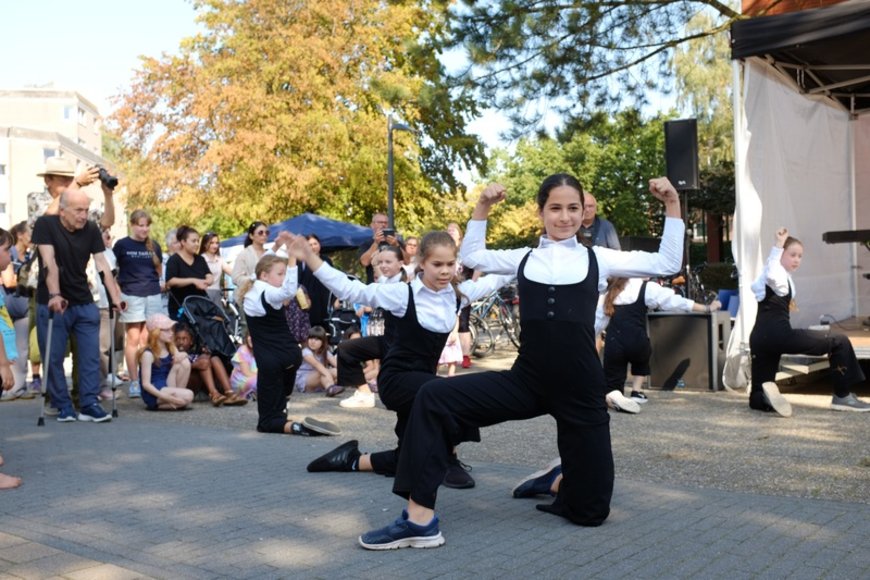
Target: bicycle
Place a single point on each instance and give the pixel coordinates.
(482, 339)
(689, 285)
(499, 308)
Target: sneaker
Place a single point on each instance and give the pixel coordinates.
(26, 393)
(849, 403)
(135, 390)
(65, 415)
(51, 411)
(321, 427)
(36, 385)
(620, 402)
(540, 482)
(403, 533)
(373, 386)
(93, 414)
(466, 361)
(774, 398)
(334, 390)
(457, 475)
(345, 457)
(639, 397)
(359, 400)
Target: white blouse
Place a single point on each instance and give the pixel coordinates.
(436, 310)
(275, 296)
(655, 297)
(775, 276)
(567, 261)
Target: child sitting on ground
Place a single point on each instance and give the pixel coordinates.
(210, 370)
(243, 379)
(317, 371)
(163, 370)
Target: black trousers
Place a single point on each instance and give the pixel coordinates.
(768, 342)
(447, 411)
(275, 378)
(397, 392)
(352, 354)
(621, 350)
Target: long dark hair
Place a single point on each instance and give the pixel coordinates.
(554, 181)
(205, 241)
(251, 229)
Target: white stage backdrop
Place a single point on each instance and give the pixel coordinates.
(794, 169)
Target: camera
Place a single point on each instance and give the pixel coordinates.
(108, 179)
(389, 232)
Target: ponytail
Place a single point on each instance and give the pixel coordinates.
(614, 287)
(141, 214)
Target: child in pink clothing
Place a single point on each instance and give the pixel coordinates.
(243, 379)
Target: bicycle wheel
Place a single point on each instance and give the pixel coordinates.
(511, 325)
(482, 339)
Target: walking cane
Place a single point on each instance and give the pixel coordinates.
(111, 344)
(45, 369)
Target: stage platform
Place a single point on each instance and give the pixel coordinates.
(855, 329)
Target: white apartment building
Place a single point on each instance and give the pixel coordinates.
(36, 124)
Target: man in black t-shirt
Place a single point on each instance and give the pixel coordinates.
(66, 242)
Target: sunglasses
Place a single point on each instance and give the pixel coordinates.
(261, 233)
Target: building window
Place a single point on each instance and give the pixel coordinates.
(82, 117)
(2, 169)
(46, 153)
(68, 112)
(2, 208)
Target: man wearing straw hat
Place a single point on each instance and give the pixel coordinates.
(59, 174)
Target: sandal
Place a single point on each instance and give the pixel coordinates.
(217, 399)
(233, 400)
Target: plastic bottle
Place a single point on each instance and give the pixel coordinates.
(681, 384)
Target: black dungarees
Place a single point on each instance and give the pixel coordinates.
(557, 372)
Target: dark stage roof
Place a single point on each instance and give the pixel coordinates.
(825, 51)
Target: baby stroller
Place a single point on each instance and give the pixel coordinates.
(210, 324)
(341, 317)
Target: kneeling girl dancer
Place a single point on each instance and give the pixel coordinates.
(276, 351)
(772, 336)
(557, 371)
(424, 313)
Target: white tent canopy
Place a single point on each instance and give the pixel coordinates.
(802, 161)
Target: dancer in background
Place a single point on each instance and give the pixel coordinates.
(773, 336)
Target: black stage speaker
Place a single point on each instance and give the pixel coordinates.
(688, 346)
(681, 153)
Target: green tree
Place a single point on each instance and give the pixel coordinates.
(572, 55)
(278, 107)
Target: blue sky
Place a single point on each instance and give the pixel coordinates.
(93, 46)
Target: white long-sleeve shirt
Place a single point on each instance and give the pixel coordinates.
(775, 276)
(655, 297)
(275, 296)
(567, 261)
(436, 310)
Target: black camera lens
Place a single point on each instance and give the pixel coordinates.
(108, 179)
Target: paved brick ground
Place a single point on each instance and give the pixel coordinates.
(193, 495)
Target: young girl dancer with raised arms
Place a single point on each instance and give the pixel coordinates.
(773, 336)
(276, 352)
(424, 313)
(163, 370)
(557, 371)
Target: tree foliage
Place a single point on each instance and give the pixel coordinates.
(278, 107)
(538, 57)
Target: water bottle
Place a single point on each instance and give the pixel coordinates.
(681, 384)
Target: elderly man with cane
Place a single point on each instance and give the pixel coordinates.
(66, 306)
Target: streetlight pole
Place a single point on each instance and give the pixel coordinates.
(390, 180)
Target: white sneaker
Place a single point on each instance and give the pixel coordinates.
(359, 400)
(620, 402)
(774, 398)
